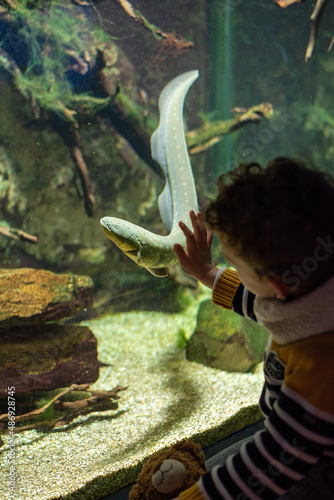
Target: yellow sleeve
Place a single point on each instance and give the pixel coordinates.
(226, 288)
(191, 493)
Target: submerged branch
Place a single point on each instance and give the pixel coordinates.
(127, 117)
(316, 16)
(98, 401)
(71, 138)
(170, 40)
(203, 138)
(39, 411)
(139, 18)
(17, 234)
(87, 186)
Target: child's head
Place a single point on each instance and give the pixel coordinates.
(279, 220)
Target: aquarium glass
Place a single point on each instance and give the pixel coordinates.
(96, 369)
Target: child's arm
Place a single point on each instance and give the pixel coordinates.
(196, 262)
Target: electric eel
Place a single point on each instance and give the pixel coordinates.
(169, 149)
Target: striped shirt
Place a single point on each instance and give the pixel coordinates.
(297, 403)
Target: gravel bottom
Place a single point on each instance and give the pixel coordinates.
(167, 399)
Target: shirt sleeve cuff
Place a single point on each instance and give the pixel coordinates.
(192, 493)
(225, 288)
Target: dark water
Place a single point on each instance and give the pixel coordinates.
(80, 86)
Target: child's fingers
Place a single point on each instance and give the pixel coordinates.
(209, 237)
(180, 253)
(191, 241)
(207, 233)
(200, 230)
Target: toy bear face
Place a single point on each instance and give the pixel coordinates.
(170, 476)
(169, 471)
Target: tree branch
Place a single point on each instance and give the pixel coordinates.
(99, 401)
(315, 20)
(71, 139)
(170, 40)
(203, 138)
(316, 16)
(17, 234)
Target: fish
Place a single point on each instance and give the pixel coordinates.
(168, 147)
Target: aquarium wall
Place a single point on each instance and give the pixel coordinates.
(102, 362)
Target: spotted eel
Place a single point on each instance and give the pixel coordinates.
(169, 149)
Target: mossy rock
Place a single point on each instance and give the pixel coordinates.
(30, 296)
(225, 340)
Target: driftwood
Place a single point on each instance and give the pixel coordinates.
(17, 234)
(128, 118)
(315, 18)
(210, 133)
(71, 137)
(170, 42)
(97, 401)
(330, 47)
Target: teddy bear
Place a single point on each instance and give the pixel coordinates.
(169, 471)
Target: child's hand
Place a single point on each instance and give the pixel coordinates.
(196, 262)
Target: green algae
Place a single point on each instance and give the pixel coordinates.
(52, 36)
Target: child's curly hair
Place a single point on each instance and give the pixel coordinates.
(277, 217)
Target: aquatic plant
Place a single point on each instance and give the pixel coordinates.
(43, 43)
(64, 67)
(181, 338)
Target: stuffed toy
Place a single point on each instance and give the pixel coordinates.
(169, 471)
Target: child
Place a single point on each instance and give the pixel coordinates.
(276, 228)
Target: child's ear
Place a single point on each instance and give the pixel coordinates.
(281, 288)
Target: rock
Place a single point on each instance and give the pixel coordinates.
(223, 339)
(47, 357)
(29, 296)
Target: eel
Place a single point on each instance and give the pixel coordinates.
(168, 147)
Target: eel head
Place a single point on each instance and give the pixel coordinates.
(124, 235)
(133, 241)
